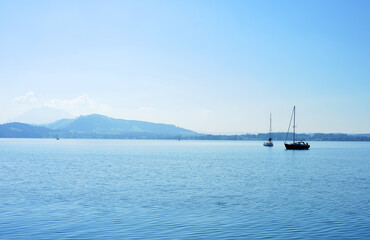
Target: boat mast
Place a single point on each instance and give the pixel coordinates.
(294, 125)
(270, 128)
(290, 123)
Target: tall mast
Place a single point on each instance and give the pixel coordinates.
(270, 127)
(294, 125)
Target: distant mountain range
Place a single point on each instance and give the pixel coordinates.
(99, 126)
(95, 126)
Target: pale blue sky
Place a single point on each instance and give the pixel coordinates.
(210, 66)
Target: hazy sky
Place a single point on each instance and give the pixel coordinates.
(210, 66)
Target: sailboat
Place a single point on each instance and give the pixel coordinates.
(300, 145)
(269, 143)
(58, 132)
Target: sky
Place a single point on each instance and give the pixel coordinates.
(209, 66)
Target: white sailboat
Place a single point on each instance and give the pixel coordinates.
(269, 143)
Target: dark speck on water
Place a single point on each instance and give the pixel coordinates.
(149, 189)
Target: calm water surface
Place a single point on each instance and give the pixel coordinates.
(136, 189)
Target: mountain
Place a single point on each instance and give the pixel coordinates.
(22, 130)
(95, 126)
(41, 115)
(99, 124)
(59, 124)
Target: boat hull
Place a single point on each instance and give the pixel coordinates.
(268, 144)
(295, 146)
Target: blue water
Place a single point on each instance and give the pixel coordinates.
(146, 189)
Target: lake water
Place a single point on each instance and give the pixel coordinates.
(148, 189)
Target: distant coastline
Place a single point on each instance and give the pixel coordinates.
(144, 130)
(242, 137)
(280, 136)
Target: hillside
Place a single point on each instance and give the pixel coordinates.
(23, 130)
(99, 124)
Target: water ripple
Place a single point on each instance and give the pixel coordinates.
(120, 189)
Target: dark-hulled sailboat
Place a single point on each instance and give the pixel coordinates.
(300, 145)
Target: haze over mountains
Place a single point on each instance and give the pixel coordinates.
(41, 115)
